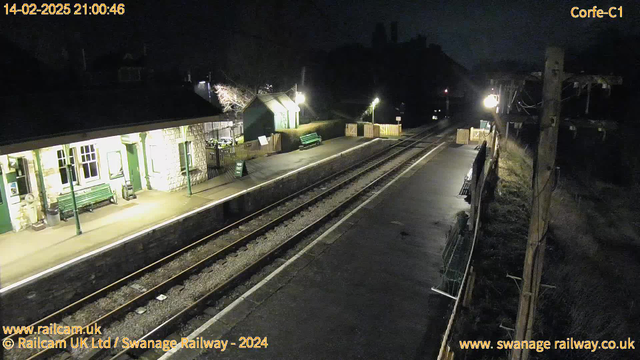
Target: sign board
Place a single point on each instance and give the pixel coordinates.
(263, 140)
(13, 189)
(398, 118)
(484, 124)
(130, 138)
(241, 169)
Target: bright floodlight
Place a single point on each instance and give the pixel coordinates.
(375, 101)
(491, 101)
(446, 91)
(300, 98)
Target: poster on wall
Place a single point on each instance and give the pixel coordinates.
(13, 189)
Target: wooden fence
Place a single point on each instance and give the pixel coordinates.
(390, 129)
(350, 129)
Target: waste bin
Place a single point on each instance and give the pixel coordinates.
(53, 215)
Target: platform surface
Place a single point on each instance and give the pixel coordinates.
(28, 252)
(363, 290)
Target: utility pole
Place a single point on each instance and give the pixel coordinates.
(543, 172)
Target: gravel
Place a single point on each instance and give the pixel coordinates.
(135, 325)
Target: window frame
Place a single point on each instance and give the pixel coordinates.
(152, 158)
(120, 174)
(22, 164)
(74, 167)
(86, 159)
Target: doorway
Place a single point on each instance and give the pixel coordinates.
(134, 167)
(5, 217)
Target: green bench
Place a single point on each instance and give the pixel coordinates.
(310, 140)
(85, 198)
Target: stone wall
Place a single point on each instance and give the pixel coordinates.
(164, 151)
(24, 304)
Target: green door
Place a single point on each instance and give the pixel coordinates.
(5, 218)
(134, 168)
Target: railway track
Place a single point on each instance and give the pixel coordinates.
(231, 242)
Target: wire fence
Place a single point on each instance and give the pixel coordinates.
(459, 269)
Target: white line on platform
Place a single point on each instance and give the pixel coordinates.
(167, 222)
(239, 300)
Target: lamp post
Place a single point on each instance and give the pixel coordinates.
(446, 93)
(70, 173)
(373, 110)
(300, 99)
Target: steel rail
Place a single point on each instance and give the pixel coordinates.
(59, 314)
(164, 329)
(149, 294)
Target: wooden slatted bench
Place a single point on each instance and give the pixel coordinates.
(310, 140)
(85, 198)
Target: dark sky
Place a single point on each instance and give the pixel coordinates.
(194, 32)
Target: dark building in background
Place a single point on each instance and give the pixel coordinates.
(412, 73)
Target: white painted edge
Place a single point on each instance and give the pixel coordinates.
(172, 220)
(243, 297)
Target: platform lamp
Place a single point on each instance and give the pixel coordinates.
(373, 110)
(70, 172)
(184, 129)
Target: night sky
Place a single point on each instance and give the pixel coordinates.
(195, 33)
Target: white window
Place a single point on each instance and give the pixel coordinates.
(89, 160)
(62, 166)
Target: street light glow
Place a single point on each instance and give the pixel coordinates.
(300, 98)
(446, 91)
(375, 101)
(491, 101)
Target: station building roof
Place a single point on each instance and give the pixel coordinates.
(47, 119)
(276, 103)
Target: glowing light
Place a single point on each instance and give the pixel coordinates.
(375, 101)
(300, 99)
(446, 91)
(491, 101)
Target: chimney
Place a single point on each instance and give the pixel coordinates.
(394, 32)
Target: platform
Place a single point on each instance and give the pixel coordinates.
(362, 289)
(26, 253)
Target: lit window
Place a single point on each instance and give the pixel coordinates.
(62, 166)
(89, 161)
(181, 152)
(114, 160)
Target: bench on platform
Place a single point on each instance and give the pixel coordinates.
(85, 198)
(310, 140)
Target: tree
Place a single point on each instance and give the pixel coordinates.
(233, 98)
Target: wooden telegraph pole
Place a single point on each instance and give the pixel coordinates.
(544, 169)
